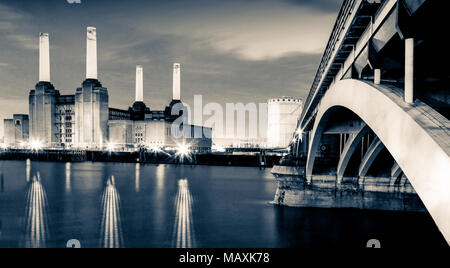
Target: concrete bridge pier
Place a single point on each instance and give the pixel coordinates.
(409, 70)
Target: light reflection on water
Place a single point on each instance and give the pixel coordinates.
(28, 170)
(111, 229)
(68, 183)
(36, 219)
(160, 179)
(137, 177)
(184, 234)
(209, 207)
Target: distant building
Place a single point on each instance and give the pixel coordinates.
(85, 120)
(16, 130)
(141, 127)
(283, 114)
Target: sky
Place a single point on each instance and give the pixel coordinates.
(230, 51)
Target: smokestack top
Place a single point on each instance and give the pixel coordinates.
(92, 33)
(44, 57)
(176, 86)
(91, 53)
(139, 83)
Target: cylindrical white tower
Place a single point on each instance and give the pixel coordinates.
(283, 114)
(44, 57)
(91, 53)
(139, 83)
(176, 81)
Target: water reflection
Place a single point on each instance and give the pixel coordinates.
(160, 179)
(137, 178)
(28, 170)
(2, 183)
(111, 229)
(184, 236)
(68, 184)
(36, 219)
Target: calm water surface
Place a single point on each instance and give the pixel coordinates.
(45, 204)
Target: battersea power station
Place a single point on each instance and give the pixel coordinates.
(85, 120)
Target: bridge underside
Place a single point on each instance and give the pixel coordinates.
(364, 135)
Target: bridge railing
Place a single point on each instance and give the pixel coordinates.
(377, 22)
(344, 18)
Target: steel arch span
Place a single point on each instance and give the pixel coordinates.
(417, 137)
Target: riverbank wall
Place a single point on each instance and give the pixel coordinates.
(370, 193)
(214, 159)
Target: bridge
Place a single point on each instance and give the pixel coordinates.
(376, 117)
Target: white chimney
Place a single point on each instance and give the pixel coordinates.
(44, 57)
(176, 81)
(91, 53)
(139, 83)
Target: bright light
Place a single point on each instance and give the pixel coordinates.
(218, 148)
(183, 150)
(110, 146)
(4, 146)
(35, 145)
(154, 148)
(299, 133)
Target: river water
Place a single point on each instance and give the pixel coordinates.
(46, 204)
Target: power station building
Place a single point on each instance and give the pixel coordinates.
(85, 120)
(140, 126)
(282, 114)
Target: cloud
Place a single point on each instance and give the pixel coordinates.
(10, 19)
(231, 51)
(25, 41)
(269, 30)
(323, 5)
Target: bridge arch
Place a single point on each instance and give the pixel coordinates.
(416, 136)
(348, 151)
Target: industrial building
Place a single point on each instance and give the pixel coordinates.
(282, 114)
(16, 130)
(85, 120)
(142, 127)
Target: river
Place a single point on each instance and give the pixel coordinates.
(46, 204)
